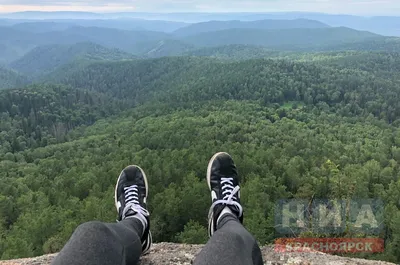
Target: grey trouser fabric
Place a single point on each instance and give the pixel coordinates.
(96, 243)
(231, 244)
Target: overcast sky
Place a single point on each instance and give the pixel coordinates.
(364, 7)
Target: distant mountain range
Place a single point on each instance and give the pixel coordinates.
(384, 25)
(19, 39)
(19, 42)
(33, 49)
(123, 24)
(282, 39)
(202, 27)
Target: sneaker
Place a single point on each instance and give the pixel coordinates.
(223, 182)
(130, 199)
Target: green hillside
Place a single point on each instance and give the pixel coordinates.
(109, 37)
(387, 44)
(168, 47)
(21, 42)
(235, 52)
(14, 43)
(284, 39)
(183, 79)
(44, 59)
(42, 26)
(210, 26)
(10, 78)
(44, 114)
(8, 54)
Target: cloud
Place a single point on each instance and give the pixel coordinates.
(328, 6)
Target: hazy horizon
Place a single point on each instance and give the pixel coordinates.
(355, 7)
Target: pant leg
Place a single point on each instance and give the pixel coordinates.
(231, 244)
(97, 243)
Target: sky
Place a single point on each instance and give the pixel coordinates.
(358, 7)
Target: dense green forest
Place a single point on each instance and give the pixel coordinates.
(43, 114)
(177, 80)
(318, 117)
(297, 128)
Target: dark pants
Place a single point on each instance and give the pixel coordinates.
(96, 243)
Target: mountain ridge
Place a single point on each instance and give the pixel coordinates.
(385, 25)
(203, 27)
(11, 79)
(46, 58)
(281, 39)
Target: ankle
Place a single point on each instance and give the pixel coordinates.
(225, 218)
(226, 212)
(138, 217)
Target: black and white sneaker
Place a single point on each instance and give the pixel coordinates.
(130, 199)
(223, 181)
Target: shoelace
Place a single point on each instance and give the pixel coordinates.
(132, 202)
(228, 190)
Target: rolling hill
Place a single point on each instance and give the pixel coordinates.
(167, 47)
(236, 24)
(234, 52)
(384, 25)
(42, 26)
(114, 38)
(284, 39)
(15, 43)
(388, 44)
(44, 59)
(123, 24)
(11, 79)
(177, 79)
(22, 42)
(7, 54)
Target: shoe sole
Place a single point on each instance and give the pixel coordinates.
(210, 166)
(210, 217)
(149, 242)
(145, 184)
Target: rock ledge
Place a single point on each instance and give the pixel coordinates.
(181, 254)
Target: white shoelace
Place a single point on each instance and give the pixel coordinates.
(228, 190)
(132, 203)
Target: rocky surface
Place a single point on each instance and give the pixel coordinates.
(180, 254)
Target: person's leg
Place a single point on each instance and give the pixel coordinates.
(230, 243)
(116, 243)
(95, 243)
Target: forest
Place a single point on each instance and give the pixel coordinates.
(304, 124)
